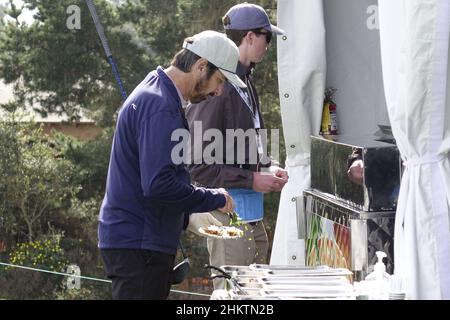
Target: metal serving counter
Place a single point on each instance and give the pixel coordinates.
(377, 188)
(345, 220)
(340, 236)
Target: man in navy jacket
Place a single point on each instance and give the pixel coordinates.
(149, 199)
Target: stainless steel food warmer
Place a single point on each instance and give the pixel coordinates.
(345, 221)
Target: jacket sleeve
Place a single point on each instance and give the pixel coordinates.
(160, 176)
(211, 114)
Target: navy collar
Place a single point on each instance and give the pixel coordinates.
(165, 78)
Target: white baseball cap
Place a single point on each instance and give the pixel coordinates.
(218, 50)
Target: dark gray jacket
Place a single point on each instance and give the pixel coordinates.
(228, 111)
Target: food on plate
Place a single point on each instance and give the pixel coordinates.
(213, 231)
(224, 232)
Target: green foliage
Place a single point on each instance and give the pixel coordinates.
(34, 182)
(86, 292)
(157, 26)
(80, 247)
(197, 252)
(66, 71)
(10, 151)
(44, 254)
(91, 159)
(57, 183)
(80, 221)
(271, 201)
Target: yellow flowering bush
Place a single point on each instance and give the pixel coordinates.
(41, 254)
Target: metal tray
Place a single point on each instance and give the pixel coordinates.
(338, 281)
(308, 272)
(307, 294)
(348, 289)
(239, 271)
(286, 267)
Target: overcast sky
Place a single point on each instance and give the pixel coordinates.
(26, 16)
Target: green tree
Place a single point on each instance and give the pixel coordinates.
(55, 69)
(36, 183)
(10, 151)
(58, 70)
(91, 159)
(157, 26)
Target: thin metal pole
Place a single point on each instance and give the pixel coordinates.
(101, 34)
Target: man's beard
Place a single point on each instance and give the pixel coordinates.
(199, 94)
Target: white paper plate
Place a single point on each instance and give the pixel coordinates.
(225, 232)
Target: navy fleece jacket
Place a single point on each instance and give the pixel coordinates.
(149, 198)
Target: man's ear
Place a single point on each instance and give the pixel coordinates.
(249, 37)
(201, 64)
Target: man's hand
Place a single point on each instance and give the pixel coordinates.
(281, 173)
(229, 204)
(356, 172)
(269, 182)
(201, 219)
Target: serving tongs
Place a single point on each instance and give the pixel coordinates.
(226, 275)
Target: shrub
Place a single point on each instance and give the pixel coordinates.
(45, 254)
(34, 181)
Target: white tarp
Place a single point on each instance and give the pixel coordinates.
(414, 38)
(354, 65)
(301, 78)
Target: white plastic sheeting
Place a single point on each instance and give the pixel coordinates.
(414, 38)
(301, 77)
(354, 65)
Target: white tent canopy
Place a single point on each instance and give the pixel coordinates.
(301, 77)
(414, 47)
(414, 51)
(346, 56)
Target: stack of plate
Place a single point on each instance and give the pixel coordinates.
(290, 282)
(397, 296)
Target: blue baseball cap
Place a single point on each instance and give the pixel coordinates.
(247, 16)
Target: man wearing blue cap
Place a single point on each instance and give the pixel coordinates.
(249, 27)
